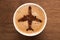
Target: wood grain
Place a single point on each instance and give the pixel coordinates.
(7, 30)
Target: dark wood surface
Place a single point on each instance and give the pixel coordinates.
(7, 30)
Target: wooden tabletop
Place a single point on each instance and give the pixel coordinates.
(7, 30)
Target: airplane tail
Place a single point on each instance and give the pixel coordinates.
(29, 29)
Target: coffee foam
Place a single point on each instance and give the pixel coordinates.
(34, 13)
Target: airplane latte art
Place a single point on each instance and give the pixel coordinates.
(29, 18)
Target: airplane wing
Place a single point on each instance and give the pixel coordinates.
(38, 20)
(22, 19)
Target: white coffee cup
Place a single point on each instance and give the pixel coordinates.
(33, 33)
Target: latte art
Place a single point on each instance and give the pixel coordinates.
(29, 19)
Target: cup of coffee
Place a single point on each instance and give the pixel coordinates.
(29, 19)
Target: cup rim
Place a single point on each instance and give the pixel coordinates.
(33, 33)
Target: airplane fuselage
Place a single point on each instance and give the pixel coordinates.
(30, 17)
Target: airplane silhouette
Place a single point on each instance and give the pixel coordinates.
(29, 18)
